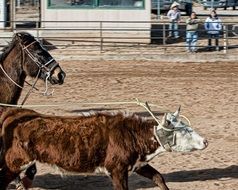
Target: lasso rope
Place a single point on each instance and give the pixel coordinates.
(136, 102)
(73, 104)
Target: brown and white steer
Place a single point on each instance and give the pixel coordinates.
(114, 143)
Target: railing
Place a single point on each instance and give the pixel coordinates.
(120, 37)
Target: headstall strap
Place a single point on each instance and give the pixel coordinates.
(40, 65)
(25, 47)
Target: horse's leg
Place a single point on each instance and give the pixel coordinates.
(6, 177)
(151, 173)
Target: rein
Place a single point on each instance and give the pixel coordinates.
(30, 90)
(3, 70)
(40, 65)
(24, 49)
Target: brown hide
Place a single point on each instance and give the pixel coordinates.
(78, 144)
(16, 64)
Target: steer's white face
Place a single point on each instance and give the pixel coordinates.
(183, 138)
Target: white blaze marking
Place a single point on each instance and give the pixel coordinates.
(100, 170)
(24, 167)
(157, 152)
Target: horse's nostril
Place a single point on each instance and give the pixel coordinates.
(61, 76)
(205, 142)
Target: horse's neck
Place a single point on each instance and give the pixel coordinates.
(10, 92)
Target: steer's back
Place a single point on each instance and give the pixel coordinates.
(79, 144)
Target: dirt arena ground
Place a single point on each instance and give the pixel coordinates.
(207, 93)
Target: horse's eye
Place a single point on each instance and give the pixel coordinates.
(40, 53)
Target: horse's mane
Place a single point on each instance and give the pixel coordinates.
(7, 49)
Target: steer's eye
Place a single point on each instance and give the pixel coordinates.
(168, 123)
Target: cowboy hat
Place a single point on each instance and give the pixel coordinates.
(175, 4)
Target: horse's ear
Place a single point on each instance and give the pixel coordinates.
(19, 35)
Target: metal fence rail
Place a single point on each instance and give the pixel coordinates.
(102, 37)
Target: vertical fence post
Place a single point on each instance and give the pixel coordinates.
(18, 5)
(164, 35)
(13, 15)
(37, 29)
(101, 38)
(225, 38)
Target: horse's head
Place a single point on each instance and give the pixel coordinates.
(37, 61)
(179, 136)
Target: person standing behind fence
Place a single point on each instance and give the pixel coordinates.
(174, 16)
(191, 32)
(213, 27)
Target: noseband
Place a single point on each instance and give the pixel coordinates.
(42, 67)
(36, 61)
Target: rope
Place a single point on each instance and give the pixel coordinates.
(166, 147)
(71, 104)
(30, 90)
(183, 116)
(10, 77)
(85, 104)
(146, 106)
(46, 93)
(137, 102)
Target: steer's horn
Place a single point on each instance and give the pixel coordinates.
(176, 114)
(163, 122)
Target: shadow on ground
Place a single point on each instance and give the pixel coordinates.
(73, 182)
(202, 175)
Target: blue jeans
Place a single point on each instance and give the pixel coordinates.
(173, 29)
(191, 40)
(213, 36)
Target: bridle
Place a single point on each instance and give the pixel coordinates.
(42, 67)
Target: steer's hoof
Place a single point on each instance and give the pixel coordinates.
(20, 186)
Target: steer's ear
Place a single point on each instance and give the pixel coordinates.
(176, 114)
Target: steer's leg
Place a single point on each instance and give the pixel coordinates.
(119, 179)
(29, 176)
(151, 173)
(6, 176)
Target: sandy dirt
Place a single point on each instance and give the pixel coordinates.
(207, 93)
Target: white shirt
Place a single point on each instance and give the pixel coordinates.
(174, 15)
(213, 25)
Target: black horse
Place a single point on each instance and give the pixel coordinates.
(25, 56)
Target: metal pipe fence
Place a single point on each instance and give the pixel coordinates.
(119, 37)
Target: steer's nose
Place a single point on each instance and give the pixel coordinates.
(205, 142)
